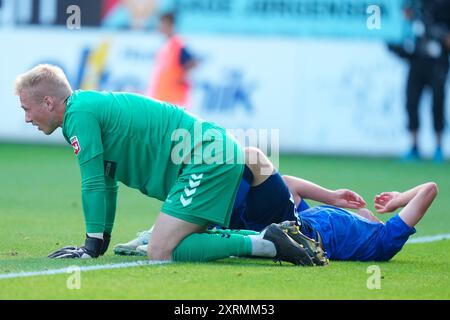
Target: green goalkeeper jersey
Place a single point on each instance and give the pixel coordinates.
(122, 137)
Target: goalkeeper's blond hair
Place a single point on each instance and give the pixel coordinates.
(42, 80)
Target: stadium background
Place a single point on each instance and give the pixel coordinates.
(312, 70)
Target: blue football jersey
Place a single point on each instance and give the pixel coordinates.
(348, 236)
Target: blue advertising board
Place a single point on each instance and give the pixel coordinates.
(373, 19)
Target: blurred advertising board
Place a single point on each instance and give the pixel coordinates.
(323, 96)
(362, 19)
(307, 18)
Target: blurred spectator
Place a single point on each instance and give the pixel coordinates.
(428, 58)
(170, 82)
(135, 14)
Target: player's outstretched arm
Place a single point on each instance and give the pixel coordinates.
(415, 202)
(262, 168)
(111, 188)
(94, 208)
(83, 131)
(390, 201)
(343, 198)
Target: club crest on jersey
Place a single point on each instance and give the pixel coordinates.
(75, 145)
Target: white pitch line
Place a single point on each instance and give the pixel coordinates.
(71, 269)
(438, 237)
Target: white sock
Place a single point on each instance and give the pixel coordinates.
(262, 247)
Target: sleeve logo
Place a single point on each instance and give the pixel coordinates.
(75, 144)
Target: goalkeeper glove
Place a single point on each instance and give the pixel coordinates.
(92, 249)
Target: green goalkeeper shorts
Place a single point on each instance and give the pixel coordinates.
(205, 190)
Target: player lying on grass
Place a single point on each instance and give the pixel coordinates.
(344, 235)
(159, 149)
(262, 199)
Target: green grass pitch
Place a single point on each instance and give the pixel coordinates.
(40, 211)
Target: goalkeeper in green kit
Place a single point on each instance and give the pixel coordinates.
(193, 166)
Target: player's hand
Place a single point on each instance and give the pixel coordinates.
(345, 198)
(386, 202)
(71, 252)
(92, 248)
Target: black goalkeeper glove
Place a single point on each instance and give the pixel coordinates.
(92, 249)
